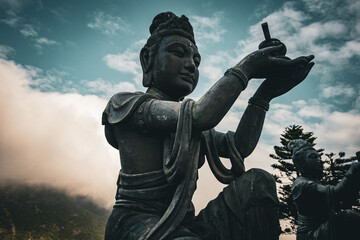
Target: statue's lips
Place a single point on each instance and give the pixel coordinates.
(187, 77)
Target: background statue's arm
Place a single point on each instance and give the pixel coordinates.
(349, 183)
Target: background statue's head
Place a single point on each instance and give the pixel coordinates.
(171, 37)
(306, 159)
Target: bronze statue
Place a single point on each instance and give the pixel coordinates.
(163, 140)
(319, 215)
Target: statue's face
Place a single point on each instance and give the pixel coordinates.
(313, 166)
(175, 68)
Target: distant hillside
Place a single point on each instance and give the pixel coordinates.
(43, 213)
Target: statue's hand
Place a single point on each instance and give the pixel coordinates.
(266, 62)
(275, 86)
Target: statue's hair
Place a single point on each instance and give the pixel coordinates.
(165, 24)
(298, 147)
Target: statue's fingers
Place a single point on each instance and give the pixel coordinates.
(308, 69)
(300, 61)
(310, 57)
(304, 58)
(302, 73)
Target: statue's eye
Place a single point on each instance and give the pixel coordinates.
(178, 52)
(197, 61)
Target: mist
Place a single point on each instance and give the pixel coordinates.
(54, 139)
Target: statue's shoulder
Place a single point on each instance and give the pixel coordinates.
(122, 105)
(122, 98)
(299, 185)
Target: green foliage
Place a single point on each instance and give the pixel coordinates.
(44, 213)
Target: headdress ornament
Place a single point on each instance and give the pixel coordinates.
(167, 23)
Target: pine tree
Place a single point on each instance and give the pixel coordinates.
(287, 171)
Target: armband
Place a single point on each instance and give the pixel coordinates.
(259, 103)
(237, 73)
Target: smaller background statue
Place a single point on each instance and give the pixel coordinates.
(318, 205)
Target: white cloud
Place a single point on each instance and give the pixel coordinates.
(313, 111)
(290, 25)
(127, 62)
(6, 51)
(108, 24)
(54, 80)
(12, 19)
(340, 131)
(42, 42)
(341, 90)
(278, 119)
(54, 139)
(48, 80)
(299, 103)
(28, 31)
(335, 131)
(317, 30)
(208, 28)
(328, 8)
(213, 66)
(46, 41)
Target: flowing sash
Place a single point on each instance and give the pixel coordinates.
(181, 156)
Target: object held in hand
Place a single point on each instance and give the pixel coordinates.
(271, 41)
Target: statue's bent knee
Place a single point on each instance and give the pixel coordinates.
(255, 187)
(258, 184)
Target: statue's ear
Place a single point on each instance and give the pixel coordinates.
(145, 61)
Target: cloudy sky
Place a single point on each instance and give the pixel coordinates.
(60, 61)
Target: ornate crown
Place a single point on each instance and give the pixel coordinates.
(167, 23)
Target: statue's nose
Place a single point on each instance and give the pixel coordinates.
(190, 66)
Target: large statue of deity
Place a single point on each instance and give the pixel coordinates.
(163, 138)
(319, 214)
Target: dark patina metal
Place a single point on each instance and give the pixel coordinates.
(163, 139)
